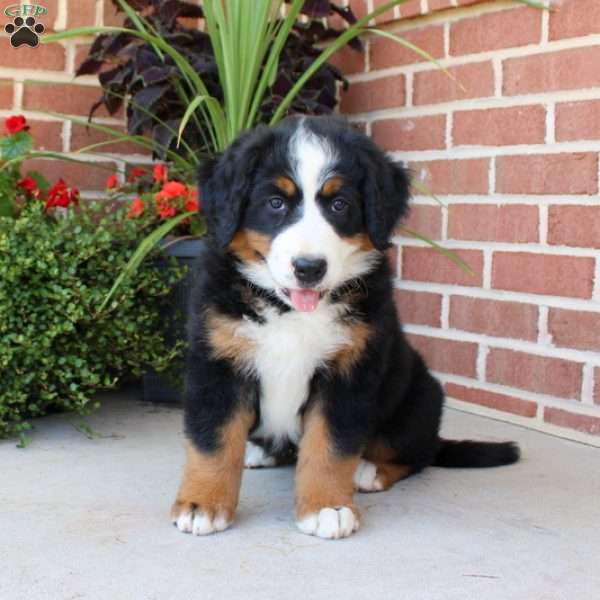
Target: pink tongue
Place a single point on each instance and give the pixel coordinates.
(304, 300)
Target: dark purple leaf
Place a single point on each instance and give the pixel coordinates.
(316, 8)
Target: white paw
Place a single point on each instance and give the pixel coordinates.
(256, 457)
(366, 479)
(330, 523)
(199, 523)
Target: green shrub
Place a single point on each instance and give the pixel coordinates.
(56, 348)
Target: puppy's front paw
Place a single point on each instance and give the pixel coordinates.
(330, 523)
(191, 518)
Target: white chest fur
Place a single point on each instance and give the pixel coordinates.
(289, 348)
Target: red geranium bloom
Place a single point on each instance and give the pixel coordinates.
(29, 184)
(136, 173)
(112, 182)
(165, 209)
(172, 189)
(160, 173)
(15, 124)
(191, 205)
(136, 209)
(60, 195)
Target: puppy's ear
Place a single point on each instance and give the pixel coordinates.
(386, 191)
(225, 182)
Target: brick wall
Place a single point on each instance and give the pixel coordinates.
(513, 155)
(35, 81)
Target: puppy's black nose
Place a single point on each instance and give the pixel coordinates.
(309, 271)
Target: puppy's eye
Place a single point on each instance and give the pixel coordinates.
(339, 205)
(276, 203)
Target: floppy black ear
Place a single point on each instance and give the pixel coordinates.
(386, 193)
(225, 183)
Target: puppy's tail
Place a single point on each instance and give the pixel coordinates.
(476, 455)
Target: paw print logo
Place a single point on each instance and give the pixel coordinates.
(24, 32)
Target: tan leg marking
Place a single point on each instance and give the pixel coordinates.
(210, 488)
(378, 471)
(351, 352)
(324, 483)
(250, 246)
(226, 342)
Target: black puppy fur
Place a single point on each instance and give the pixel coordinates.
(388, 397)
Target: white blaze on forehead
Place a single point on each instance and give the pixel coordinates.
(313, 159)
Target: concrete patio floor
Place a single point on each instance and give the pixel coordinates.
(87, 519)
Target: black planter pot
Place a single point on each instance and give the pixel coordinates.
(157, 387)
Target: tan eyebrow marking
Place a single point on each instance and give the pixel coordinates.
(331, 186)
(286, 185)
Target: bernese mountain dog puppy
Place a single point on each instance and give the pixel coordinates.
(295, 351)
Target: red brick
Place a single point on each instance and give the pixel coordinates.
(569, 276)
(49, 18)
(439, 5)
(419, 308)
(540, 374)
(500, 126)
(493, 317)
(62, 98)
(348, 60)
(517, 223)
(493, 31)
(574, 226)
(574, 329)
(516, 406)
(597, 385)
(578, 121)
(47, 135)
(433, 87)
(428, 264)
(426, 220)
(575, 18)
(359, 8)
(569, 420)
(6, 93)
(392, 257)
(110, 15)
(50, 57)
(385, 17)
(447, 356)
(469, 176)
(412, 8)
(82, 136)
(83, 15)
(84, 176)
(416, 133)
(548, 174)
(386, 53)
(366, 96)
(564, 70)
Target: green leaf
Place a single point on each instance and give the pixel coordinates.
(16, 145)
(6, 206)
(145, 247)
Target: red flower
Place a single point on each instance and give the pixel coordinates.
(172, 189)
(60, 195)
(136, 209)
(191, 202)
(15, 124)
(160, 173)
(136, 173)
(112, 182)
(29, 184)
(164, 207)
